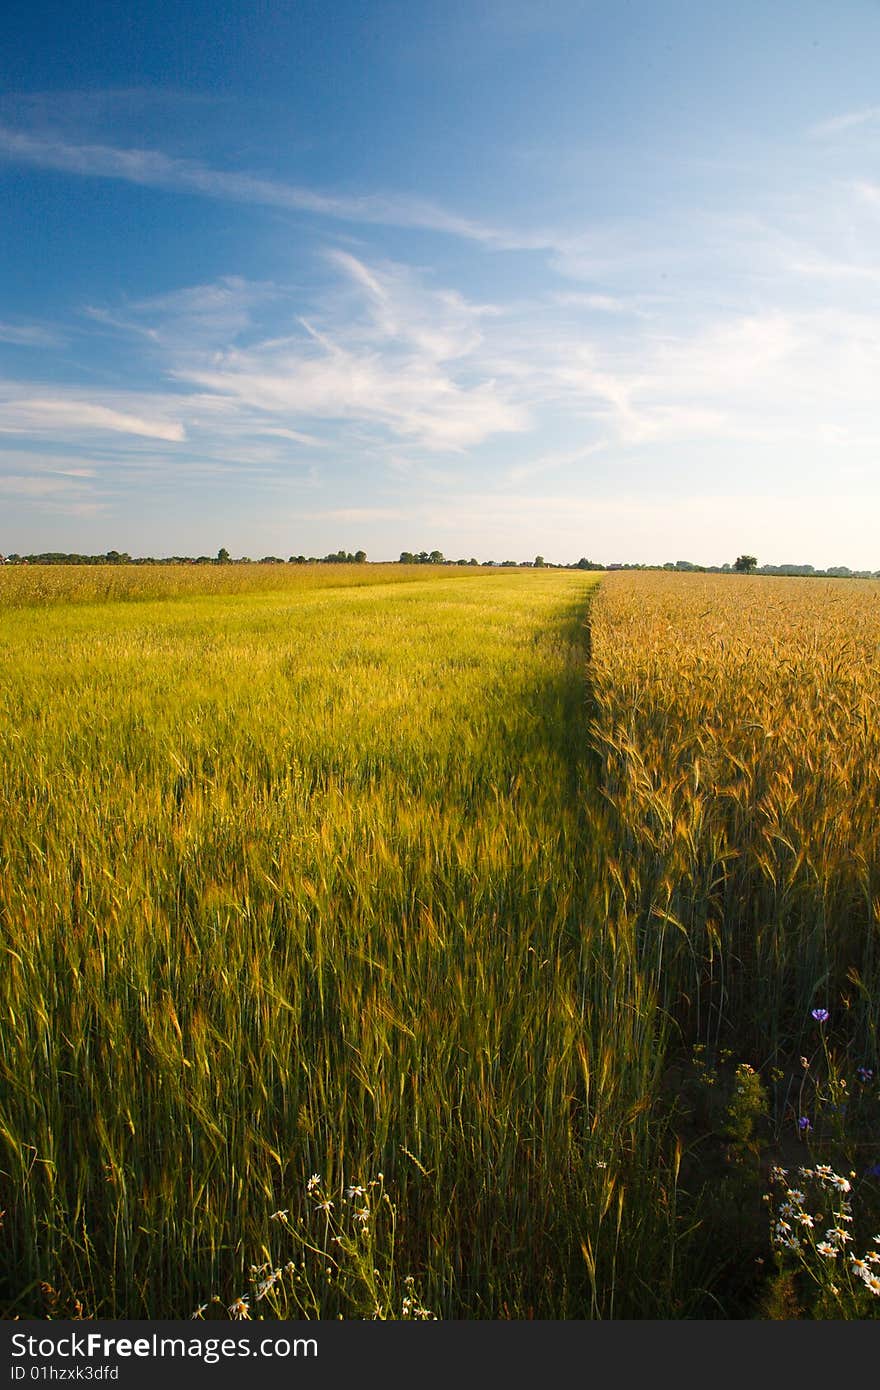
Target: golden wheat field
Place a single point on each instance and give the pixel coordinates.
(738, 721)
(463, 944)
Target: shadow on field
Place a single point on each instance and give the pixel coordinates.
(570, 706)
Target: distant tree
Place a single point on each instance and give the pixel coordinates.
(436, 557)
(539, 562)
(745, 564)
(223, 556)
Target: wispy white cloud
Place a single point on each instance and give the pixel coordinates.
(386, 356)
(295, 436)
(33, 335)
(777, 378)
(384, 351)
(65, 413)
(603, 254)
(440, 323)
(411, 399)
(848, 120)
(152, 168)
(204, 314)
(576, 253)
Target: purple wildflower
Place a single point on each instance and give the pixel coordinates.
(804, 1125)
(865, 1074)
(821, 1015)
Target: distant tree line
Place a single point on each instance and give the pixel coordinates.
(748, 564)
(436, 557)
(223, 557)
(57, 557)
(744, 564)
(433, 557)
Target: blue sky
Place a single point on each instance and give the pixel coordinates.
(498, 278)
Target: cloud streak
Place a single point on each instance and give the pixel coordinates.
(382, 351)
(153, 169)
(411, 399)
(848, 120)
(65, 414)
(33, 335)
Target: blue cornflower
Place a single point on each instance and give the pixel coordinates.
(821, 1015)
(804, 1125)
(864, 1074)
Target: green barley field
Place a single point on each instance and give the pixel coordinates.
(401, 942)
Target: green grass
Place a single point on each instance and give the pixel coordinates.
(299, 881)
